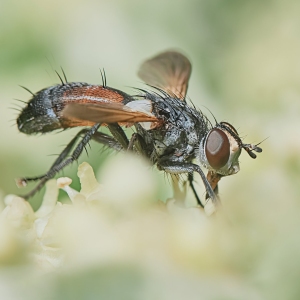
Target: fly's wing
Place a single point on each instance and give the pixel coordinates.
(106, 113)
(169, 71)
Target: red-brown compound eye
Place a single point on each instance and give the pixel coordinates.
(217, 148)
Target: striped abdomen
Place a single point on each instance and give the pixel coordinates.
(43, 112)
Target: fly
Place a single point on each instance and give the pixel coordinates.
(168, 131)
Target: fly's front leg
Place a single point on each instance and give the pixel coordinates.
(213, 179)
(191, 181)
(178, 168)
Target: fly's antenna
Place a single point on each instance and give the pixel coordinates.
(253, 147)
(262, 141)
(250, 148)
(26, 89)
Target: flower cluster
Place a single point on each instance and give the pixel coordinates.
(112, 239)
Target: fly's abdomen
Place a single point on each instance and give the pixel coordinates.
(43, 112)
(38, 116)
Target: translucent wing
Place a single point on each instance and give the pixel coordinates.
(169, 71)
(106, 113)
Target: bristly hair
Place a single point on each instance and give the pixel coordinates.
(181, 105)
(60, 78)
(103, 76)
(28, 90)
(20, 101)
(66, 80)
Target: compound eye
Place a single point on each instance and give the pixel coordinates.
(217, 148)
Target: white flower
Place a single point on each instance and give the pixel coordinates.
(115, 233)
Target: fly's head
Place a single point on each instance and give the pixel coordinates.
(221, 148)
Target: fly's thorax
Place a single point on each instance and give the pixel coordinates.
(220, 149)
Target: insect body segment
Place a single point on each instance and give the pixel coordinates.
(170, 132)
(43, 112)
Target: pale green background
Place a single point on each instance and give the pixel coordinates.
(246, 70)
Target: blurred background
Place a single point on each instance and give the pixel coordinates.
(246, 70)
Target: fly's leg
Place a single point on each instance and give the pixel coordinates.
(132, 142)
(138, 143)
(216, 191)
(105, 139)
(191, 181)
(63, 155)
(61, 161)
(23, 181)
(212, 178)
(119, 134)
(99, 137)
(177, 168)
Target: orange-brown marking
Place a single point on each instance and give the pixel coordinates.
(86, 94)
(100, 93)
(213, 179)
